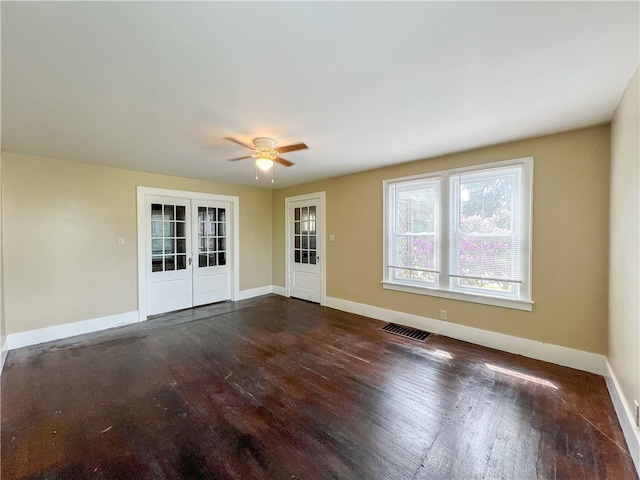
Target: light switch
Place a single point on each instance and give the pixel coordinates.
(120, 240)
(332, 237)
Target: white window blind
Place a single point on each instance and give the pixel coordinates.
(414, 240)
(486, 233)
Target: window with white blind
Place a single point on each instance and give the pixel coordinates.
(462, 234)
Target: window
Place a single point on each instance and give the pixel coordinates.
(462, 234)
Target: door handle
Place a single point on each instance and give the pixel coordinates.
(190, 260)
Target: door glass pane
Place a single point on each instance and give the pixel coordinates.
(212, 236)
(167, 223)
(222, 258)
(156, 264)
(305, 235)
(156, 246)
(156, 229)
(169, 263)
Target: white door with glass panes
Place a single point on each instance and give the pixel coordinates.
(170, 274)
(211, 274)
(188, 254)
(305, 236)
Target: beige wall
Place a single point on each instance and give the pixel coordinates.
(3, 328)
(61, 224)
(570, 241)
(624, 284)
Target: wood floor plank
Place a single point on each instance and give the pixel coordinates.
(276, 388)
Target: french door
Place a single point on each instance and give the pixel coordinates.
(188, 253)
(170, 255)
(305, 247)
(211, 274)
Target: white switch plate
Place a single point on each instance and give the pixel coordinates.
(121, 241)
(332, 237)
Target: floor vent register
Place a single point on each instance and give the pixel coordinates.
(408, 332)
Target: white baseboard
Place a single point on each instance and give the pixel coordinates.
(42, 335)
(254, 292)
(625, 415)
(58, 332)
(3, 352)
(278, 290)
(568, 357)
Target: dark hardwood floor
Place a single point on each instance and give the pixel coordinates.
(276, 388)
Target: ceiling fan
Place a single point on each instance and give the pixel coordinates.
(266, 152)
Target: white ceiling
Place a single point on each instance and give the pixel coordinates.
(155, 86)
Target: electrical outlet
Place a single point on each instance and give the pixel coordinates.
(635, 402)
(443, 314)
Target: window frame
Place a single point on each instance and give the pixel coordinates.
(443, 287)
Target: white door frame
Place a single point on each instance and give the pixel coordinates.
(321, 196)
(142, 194)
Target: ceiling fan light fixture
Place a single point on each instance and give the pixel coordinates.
(263, 162)
(266, 154)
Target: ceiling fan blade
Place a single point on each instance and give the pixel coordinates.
(239, 143)
(282, 161)
(291, 148)
(239, 158)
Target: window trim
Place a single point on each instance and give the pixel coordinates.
(525, 301)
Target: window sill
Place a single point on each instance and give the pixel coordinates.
(465, 297)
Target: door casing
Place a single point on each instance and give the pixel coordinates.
(321, 247)
(142, 194)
